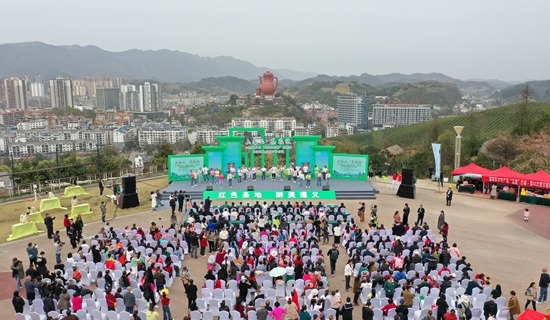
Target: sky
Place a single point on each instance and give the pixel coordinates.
(466, 39)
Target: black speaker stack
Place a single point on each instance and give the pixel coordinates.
(129, 198)
(407, 187)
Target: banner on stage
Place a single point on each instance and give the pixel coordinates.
(270, 195)
(180, 166)
(350, 166)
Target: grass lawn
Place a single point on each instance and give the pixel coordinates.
(12, 211)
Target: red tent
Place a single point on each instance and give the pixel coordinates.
(539, 179)
(503, 175)
(471, 169)
(532, 315)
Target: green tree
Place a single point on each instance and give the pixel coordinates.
(524, 120)
(163, 151)
(197, 149)
(233, 99)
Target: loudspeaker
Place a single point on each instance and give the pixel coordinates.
(250, 188)
(129, 184)
(406, 191)
(407, 176)
(286, 188)
(128, 200)
(209, 188)
(326, 188)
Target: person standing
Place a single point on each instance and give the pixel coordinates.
(17, 272)
(361, 212)
(48, 221)
(181, 199)
(333, 254)
(17, 302)
(347, 310)
(449, 196)
(348, 272)
(172, 202)
(191, 292)
(420, 217)
(154, 201)
(441, 220)
(32, 253)
(442, 306)
(151, 313)
(129, 300)
(101, 187)
(526, 215)
(531, 295)
(103, 210)
(513, 305)
(406, 212)
(165, 301)
(337, 231)
(544, 281)
(367, 312)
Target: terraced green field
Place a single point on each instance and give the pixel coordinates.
(486, 124)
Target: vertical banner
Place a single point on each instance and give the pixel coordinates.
(436, 147)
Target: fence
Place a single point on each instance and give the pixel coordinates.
(22, 190)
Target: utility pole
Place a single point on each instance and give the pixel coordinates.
(97, 155)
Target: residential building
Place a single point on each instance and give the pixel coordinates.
(386, 115)
(61, 92)
(157, 133)
(11, 117)
(37, 89)
(269, 124)
(122, 135)
(129, 98)
(107, 98)
(208, 136)
(353, 110)
(150, 97)
(33, 124)
(15, 93)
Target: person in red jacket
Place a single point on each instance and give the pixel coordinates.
(388, 307)
(67, 223)
(450, 315)
(111, 300)
(203, 244)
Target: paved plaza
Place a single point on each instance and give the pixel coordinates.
(490, 233)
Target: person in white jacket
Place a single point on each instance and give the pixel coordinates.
(348, 272)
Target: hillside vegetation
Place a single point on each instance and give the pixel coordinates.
(501, 136)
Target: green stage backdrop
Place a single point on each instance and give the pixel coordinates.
(350, 166)
(180, 165)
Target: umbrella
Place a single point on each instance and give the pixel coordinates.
(532, 315)
(277, 272)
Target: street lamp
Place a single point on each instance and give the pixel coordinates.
(458, 141)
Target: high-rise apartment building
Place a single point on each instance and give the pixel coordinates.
(150, 97)
(129, 98)
(15, 93)
(353, 110)
(61, 92)
(397, 114)
(37, 89)
(108, 98)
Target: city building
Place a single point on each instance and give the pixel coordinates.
(353, 110)
(157, 133)
(208, 136)
(122, 135)
(269, 124)
(61, 92)
(11, 117)
(37, 89)
(15, 93)
(129, 98)
(387, 115)
(107, 98)
(150, 97)
(32, 125)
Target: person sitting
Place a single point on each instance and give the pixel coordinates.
(388, 307)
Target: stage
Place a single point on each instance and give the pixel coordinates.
(275, 190)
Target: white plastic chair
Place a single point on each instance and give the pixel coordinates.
(196, 315)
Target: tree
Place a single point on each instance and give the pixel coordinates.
(163, 151)
(524, 125)
(233, 99)
(503, 149)
(197, 149)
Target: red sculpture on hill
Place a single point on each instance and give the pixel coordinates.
(268, 85)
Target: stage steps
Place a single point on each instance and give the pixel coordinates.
(356, 195)
(196, 195)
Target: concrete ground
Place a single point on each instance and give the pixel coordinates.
(490, 233)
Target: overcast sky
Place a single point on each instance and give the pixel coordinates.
(490, 39)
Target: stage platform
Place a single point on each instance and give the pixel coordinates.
(340, 190)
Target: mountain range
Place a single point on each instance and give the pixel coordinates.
(223, 73)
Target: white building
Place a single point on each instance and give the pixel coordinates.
(352, 110)
(122, 135)
(208, 136)
(33, 124)
(150, 97)
(156, 133)
(269, 124)
(130, 98)
(37, 89)
(397, 114)
(15, 93)
(61, 93)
